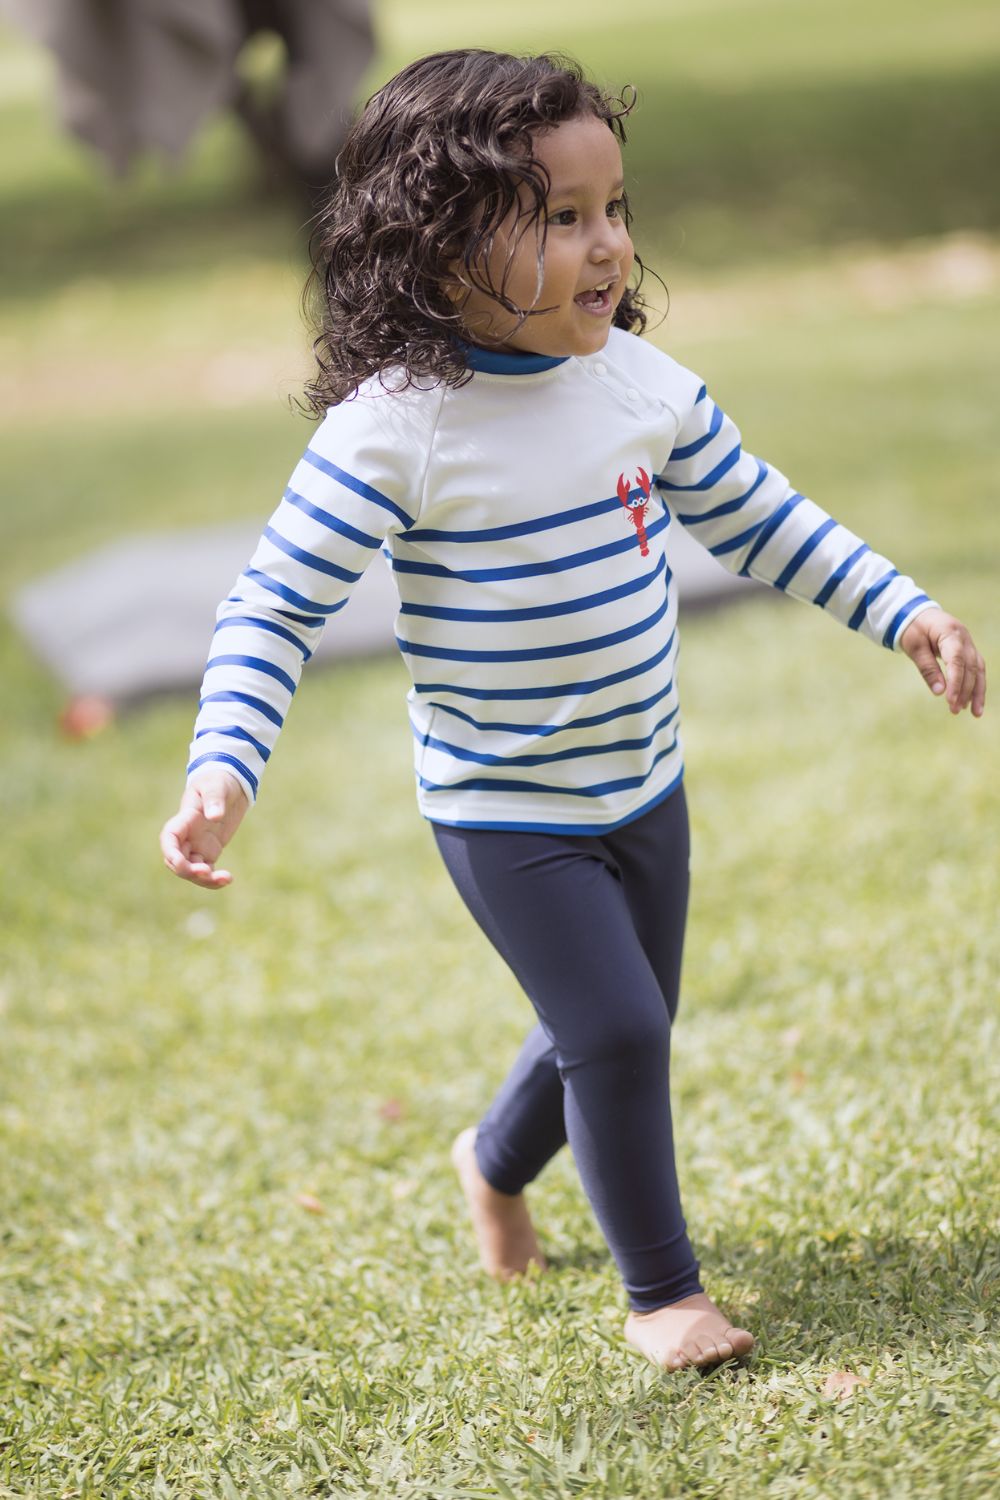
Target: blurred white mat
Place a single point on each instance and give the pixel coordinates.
(135, 618)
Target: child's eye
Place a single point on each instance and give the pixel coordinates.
(615, 208)
(563, 216)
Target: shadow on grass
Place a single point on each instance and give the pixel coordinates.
(817, 1298)
(823, 1301)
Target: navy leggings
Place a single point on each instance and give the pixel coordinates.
(592, 927)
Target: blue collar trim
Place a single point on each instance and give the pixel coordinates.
(502, 362)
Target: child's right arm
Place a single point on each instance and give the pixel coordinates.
(354, 485)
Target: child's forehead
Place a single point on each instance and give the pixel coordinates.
(579, 153)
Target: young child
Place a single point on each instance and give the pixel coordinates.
(495, 426)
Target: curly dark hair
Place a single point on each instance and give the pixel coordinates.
(431, 169)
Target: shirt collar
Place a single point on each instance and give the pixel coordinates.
(508, 362)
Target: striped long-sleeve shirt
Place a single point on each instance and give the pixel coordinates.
(524, 517)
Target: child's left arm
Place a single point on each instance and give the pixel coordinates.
(935, 635)
(753, 521)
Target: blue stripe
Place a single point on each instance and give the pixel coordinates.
(692, 517)
(310, 620)
(711, 478)
(237, 733)
(777, 520)
(257, 663)
(541, 730)
(310, 559)
(558, 691)
(257, 704)
(837, 577)
(531, 570)
(592, 828)
(359, 487)
(502, 784)
(333, 523)
(518, 528)
(736, 542)
(269, 625)
(889, 639)
(690, 449)
(459, 753)
(701, 395)
(870, 597)
(806, 550)
(542, 611)
(540, 653)
(290, 596)
(230, 760)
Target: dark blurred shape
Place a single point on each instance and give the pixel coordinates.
(132, 618)
(140, 75)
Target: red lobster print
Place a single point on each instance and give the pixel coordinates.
(636, 509)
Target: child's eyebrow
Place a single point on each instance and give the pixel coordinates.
(571, 190)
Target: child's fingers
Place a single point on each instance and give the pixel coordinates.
(197, 870)
(926, 663)
(979, 690)
(962, 668)
(185, 854)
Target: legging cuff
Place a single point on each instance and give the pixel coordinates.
(504, 1174)
(685, 1284)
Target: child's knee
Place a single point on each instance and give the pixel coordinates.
(627, 1039)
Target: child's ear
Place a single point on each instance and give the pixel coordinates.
(455, 284)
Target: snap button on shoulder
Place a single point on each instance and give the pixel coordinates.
(600, 369)
(631, 395)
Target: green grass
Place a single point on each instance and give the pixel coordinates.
(177, 1069)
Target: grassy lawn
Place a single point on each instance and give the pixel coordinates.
(234, 1259)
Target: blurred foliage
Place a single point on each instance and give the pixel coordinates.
(763, 128)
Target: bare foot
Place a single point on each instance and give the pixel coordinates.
(690, 1332)
(504, 1232)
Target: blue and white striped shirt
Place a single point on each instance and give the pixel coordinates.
(524, 517)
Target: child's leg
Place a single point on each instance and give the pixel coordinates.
(630, 898)
(557, 912)
(525, 1125)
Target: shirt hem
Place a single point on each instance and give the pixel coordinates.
(501, 825)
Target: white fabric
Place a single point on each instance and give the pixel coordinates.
(541, 641)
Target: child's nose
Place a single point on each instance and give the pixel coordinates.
(611, 243)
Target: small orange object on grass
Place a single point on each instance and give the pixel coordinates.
(86, 715)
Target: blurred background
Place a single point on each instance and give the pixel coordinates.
(817, 185)
(791, 167)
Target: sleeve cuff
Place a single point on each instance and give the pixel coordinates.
(231, 766)
(907, 618)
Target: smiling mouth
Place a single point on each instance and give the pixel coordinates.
(598, 300)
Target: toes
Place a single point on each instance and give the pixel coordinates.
(740, 1340)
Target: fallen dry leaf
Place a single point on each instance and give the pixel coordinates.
(311, 1204)
(842, 1384)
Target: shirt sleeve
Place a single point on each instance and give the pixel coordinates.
(352, 487)
(748, 516)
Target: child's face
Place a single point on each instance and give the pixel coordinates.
(588, 252)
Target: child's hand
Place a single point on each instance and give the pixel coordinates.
(211, 810)
(934, 634)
